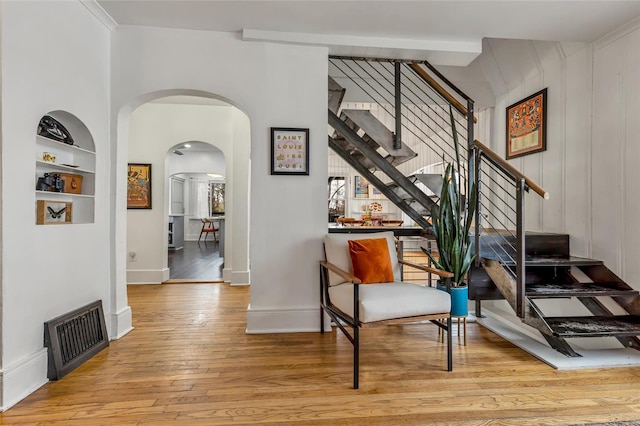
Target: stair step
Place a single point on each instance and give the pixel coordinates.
(432, 181)
(541, 290)
(544, 261)
(595, 326)
(378, 132)
(336, 94)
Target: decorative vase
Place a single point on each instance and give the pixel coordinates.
(459, 297)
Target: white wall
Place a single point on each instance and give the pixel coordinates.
(150, 143)
(48, 270)
(590, 166)
(276, 86)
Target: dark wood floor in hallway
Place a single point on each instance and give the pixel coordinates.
(198, 260)
(188, 361)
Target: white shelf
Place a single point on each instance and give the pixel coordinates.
(61, 167)
(43, 194)
(61, 145)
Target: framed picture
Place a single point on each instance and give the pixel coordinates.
(375, 192)
(527, 125)
(50, 212)
(289, 151)
(361, 187)
(139, 186)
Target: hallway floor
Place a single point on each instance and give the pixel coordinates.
(196, 261)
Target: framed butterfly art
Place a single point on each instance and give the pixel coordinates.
(49, 212)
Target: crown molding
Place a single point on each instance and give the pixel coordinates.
(617, 34)
(96, 10)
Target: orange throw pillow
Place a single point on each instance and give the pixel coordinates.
(371, 261)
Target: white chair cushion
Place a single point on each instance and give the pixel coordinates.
(384, 301)
(336, 250)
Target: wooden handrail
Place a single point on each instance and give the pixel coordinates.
(341, 272)
(441, 273)
(441, 90)
(515, 173)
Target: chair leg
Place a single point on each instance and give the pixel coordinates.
(449, 346)
(200, 236)
(356, 357)
(321, 302)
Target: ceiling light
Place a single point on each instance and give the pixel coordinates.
(186, 145)
(214, 175)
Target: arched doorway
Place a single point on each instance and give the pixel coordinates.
(146, 131)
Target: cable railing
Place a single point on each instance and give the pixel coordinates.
(406, 102)
(499, 222)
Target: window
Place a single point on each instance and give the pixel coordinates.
(207, 198)
(216, 196)
(337, 197)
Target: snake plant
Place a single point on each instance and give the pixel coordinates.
(452, 219)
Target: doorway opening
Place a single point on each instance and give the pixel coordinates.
(196, 183)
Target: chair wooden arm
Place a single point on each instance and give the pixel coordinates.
(344, 274)
(443, 274)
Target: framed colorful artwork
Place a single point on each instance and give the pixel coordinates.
(139, 186)
(527, 125)
(289, 151)
(361, 187)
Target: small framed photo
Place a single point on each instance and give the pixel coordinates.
(139, 186)
(527, 125)
(50, 212)
(289, 151)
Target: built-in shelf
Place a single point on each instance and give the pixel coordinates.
(74, 163)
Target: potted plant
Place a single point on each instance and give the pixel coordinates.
(451, 221)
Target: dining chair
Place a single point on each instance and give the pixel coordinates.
(208, 227)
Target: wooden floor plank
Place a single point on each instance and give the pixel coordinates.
(188, 361)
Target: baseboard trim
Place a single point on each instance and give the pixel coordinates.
(302, 320)
(22, 378)
(121, 323)
(238, 277)
(147, 276)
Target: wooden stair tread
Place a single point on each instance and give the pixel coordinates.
(594, 326)
(542, 290)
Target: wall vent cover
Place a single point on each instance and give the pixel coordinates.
(73, 338)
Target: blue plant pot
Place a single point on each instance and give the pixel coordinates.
(459, 304)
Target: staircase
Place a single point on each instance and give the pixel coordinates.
(529, 270)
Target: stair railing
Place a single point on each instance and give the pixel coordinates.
(413, 98)
(499, 221)
(418, 112)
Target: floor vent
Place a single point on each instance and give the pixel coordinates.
(73, 338)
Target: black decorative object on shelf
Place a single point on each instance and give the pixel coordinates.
(51, 128)
(50, 182)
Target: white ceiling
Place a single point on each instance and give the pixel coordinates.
(423, 29)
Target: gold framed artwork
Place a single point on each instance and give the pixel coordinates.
(527, 125)
(139, 186)
(289, 151)
(51, 212)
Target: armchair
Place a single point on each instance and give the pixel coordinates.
(353, 304)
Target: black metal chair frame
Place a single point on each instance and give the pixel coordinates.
(343, 320)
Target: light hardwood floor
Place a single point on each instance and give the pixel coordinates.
(188, 361)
